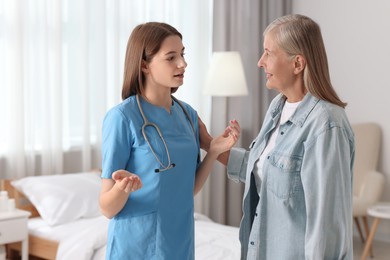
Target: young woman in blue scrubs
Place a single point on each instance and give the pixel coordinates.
(151, 167)
(298, 173)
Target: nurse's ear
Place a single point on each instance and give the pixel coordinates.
(299, 64)
(144, 67)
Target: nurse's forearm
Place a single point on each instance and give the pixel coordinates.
(224, 158)
(203, 171)
(112, 201)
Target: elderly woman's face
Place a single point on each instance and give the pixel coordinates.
(277, 65)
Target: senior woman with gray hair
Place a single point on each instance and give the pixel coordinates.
(297, 172)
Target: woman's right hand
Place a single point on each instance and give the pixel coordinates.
(127, 181)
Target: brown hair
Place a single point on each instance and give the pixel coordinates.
(144, 42)
(300, 35)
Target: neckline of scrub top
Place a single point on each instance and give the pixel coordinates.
(145, 102)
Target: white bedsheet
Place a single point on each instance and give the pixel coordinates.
(77, 240)
(85, 239)
(214, 241)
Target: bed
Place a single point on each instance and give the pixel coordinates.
(66, 222)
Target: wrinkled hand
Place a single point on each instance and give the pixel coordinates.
(126, 181)
(227, 140)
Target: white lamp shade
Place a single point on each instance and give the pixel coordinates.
(226, 75)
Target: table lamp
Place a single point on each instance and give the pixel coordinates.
(226, 76)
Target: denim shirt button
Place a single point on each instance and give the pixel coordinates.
(252, 243)
(282, 133)
(256, 214)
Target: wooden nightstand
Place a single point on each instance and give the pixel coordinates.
(13, 228)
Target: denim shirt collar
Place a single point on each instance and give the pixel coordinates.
(302, 112)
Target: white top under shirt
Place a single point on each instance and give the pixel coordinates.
(288, 110)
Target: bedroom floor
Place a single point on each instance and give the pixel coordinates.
(381, 251)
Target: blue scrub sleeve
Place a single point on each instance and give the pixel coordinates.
(116, 143)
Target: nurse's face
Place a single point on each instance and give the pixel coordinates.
(277, 65)
(167, 67)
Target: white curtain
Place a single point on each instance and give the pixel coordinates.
(61, 67)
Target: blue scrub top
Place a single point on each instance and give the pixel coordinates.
(157, 220)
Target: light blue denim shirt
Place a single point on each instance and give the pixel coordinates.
(304, 207)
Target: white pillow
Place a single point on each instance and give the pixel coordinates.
(62, 198)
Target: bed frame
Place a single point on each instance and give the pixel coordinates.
(38, 248)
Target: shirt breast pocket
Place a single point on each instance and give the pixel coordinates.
(283, 178)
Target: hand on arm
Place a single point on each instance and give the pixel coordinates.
(216, 146)
(115, 191)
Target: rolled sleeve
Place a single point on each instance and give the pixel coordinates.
(237, 164)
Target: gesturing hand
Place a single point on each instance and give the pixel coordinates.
(227, 140)
(126, 181)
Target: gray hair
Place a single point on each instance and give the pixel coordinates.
(299, 35)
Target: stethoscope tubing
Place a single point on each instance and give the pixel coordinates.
(148, 123)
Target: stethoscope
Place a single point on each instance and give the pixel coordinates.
(147, 123)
